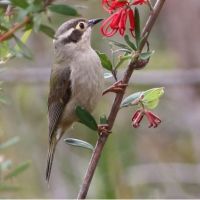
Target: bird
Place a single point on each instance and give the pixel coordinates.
(76, 79)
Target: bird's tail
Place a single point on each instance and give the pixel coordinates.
(51, 151)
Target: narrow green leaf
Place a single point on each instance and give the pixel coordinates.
(4, 49)
(146, 55)
(86, 118)
(23, 48)
(26, 35)
(153, 94)
(107, 75)
(47, 30)
(131, 44)
(10, 142)
(129, 101)
(125, 51)
(8, 188)
(79, 143)
(105, 61)
(137, 27)
(20, 3)
(123, 46)
(122, 60)
(18, 170)
(63, 9)
(37, 20)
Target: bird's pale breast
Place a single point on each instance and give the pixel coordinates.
(86, 83)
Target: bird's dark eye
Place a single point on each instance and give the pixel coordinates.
(81, 25)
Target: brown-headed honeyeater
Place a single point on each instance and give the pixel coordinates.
(76, 79)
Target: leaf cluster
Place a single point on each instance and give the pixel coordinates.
(9, 170)
(27, 16)
(129, 50)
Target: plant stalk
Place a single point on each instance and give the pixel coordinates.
(116, 106)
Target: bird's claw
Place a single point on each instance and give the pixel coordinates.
(116, 87)
(103, 129)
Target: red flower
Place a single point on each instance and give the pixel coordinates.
(113, 5)
(120, 11)
(139, 2)
(154, 120)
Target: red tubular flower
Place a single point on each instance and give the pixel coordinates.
(136, 2)
(131, 20)
(137, 118)
(112, 5)
(111, 25)
(154, 120)
(120, 10)
(122, 23)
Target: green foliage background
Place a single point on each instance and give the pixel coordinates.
(128, 150)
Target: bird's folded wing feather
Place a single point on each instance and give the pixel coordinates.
(59, 96)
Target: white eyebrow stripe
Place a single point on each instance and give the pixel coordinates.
(66, 34)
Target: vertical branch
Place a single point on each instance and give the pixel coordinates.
(116, 105)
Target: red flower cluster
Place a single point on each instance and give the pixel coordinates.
(120, 11)
(154, 120)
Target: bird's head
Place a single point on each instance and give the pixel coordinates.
(74, 35)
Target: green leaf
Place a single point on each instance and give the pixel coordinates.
(79, 143)
(86, 118)
(123, 46)
(37, 19)
(129, 101)
(22, 48)
(106, 63)
(26, 35)
(8, 188)
(4, 50)
(107, 75)
(18, 170)
(47, 30)
(103, 120)
(20, 3)
(153, 94)
(131, 44)
(137, 27)
(152, 104)
(146, 55)
(63, 9)
(10, 142)
(122, 60)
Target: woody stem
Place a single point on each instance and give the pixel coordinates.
(116, 106)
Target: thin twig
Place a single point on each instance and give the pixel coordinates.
(10, 32)
(115, 107)
(7, 35)
(150, 5)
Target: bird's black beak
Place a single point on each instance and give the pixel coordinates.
(92, 22)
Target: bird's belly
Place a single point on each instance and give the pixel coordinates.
(87, 86)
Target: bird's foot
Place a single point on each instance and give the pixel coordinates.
(103, 129)
(117, 87)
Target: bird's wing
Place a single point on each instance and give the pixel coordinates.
(59, 95)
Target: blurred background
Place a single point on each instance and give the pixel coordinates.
(136, 163)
